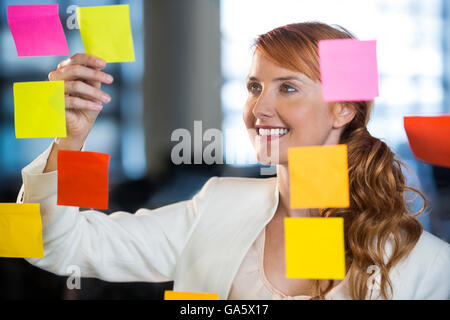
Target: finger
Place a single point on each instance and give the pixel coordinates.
(79, 88)
(72, 116)
(78, 72)
(86, 98)
(81, 104)
(84, 60)
(95, 84)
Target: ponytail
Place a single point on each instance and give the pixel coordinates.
(378, 214)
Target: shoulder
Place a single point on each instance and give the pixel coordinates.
(237, 185)
(431, 246)
(433, 256)
(236, 195)
(425, 272)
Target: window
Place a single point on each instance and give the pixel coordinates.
(409, 36)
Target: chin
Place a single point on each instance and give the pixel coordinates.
(265, 159)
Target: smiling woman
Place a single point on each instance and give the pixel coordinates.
(229, 238)
(291, 102)
(377, 186)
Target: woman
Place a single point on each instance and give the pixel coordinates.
(229, 238)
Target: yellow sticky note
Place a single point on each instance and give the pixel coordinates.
(106, 32)
(178, 295)
(39, 109)
(318, 177)
(21, 230)
(314, 248)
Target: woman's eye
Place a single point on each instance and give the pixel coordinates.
(287, 88)
(253, 87)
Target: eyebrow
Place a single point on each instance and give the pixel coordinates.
(278, 79)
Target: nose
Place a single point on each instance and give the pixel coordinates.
(264, 107)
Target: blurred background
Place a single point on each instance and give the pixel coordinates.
(192, 58)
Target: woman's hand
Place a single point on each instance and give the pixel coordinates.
(83, 99)
(82, 82)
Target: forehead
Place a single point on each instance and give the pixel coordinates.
(262, 65)
(264, 68)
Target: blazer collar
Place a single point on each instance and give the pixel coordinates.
(237, 212)
(267, 204)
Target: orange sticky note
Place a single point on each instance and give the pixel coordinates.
(315, 248)
(318, 177)
(21, 230)
(83, 179)
(429, 138)
(178, 295)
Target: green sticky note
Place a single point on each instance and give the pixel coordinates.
(39, 109)
(106, 32)
(315, 248)
(21, 230)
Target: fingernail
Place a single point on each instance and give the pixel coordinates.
(106, 98)
(108, 78)
(100, 63)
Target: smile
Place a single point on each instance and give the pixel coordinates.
(271, 133)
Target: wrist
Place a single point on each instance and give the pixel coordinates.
(74, 144)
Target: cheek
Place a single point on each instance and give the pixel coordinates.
(309, 124)
(249, 120)
(311, 128)
(295, 116)
(247, 116)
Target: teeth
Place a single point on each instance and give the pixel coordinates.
(272, 132)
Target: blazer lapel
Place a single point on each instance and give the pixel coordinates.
(237, 212)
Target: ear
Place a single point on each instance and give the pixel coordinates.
(343, 114)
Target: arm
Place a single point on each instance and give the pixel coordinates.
(116, 247)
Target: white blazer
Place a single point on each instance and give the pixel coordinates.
(198, 243)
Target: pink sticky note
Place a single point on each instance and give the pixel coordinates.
(348, 70)
(37, 30)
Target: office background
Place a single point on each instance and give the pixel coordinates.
(192, 58)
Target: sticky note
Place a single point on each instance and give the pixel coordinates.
(429, 138)
(178, 295)
(21, 230)
(106, 32)
(39, 109)
(83, 179)
(348, 69)
(315, 248)
(37, 30)
(318, 177)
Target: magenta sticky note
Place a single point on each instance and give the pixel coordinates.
(37, 30)
(348, 69)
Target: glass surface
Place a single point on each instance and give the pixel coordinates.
(116, 132)
(410, 54)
